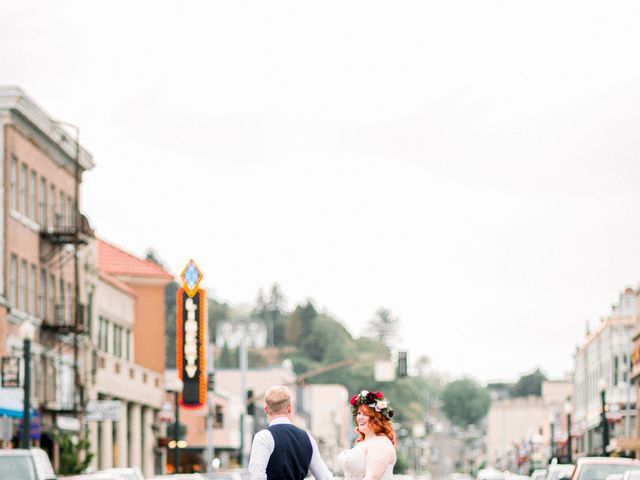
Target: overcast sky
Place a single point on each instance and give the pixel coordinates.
(471, 165)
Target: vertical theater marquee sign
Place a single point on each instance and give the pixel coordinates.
(191, 338)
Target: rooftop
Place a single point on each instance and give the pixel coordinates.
(116, 262)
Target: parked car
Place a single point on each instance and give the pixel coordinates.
(94, 476)
(132, 473)
(181, 476)
(489, 473)
(559, 470)
(631, 475)
(236, 474)
(21, 464)
(615, 476)
(540, 474)
(597, 468)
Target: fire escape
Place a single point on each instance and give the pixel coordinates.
(60, 242)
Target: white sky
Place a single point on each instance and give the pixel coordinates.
(471, 165)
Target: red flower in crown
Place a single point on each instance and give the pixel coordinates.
(354, 399)
(378, 395)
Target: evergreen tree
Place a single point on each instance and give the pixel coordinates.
(384, 326)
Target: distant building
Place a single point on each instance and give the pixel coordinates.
(127, 336)
(603, 360)
(330, 420)
(513, 422)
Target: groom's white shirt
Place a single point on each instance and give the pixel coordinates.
(263, 446)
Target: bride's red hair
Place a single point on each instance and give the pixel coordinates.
(379, 424)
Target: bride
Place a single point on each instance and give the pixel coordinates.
(374, 455)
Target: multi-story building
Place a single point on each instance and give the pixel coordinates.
(127, 345)
(602, 365)
(330, 420)
(98, 311)
(512, 422)
(42, 239)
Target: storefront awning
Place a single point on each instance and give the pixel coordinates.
(11, 402)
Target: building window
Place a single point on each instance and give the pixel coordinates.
(33, 275)
(61, 302)
(128, 351)
(53, 220)
(24, 178)
(13, 281)
(68, 307)
(22, 288)
(51, 298)
(33, 195)
(13, 188)
(116, 343)
(51, 381)
(100, 330)
(61, 204)
(219, 417)
(43, 203)
(42, 294)
(70, 221)
(89, 313)
(107, 327)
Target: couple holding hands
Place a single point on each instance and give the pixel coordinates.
(285, 452)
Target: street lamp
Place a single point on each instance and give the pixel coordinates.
(552, 425)
(568, 410)
(176, 389)
(602, 385)
(27, 333)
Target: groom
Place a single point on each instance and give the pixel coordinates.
(284, 451)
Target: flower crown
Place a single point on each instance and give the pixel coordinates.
(373, 400)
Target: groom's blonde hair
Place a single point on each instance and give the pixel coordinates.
(277, 399)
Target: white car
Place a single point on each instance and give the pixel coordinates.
(94, 476)
(20, 464)
(126, 473)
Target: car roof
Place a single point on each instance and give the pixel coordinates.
(609, 460)
(15, 451)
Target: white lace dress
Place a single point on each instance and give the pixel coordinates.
(353, 463)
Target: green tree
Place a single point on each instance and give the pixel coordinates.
(271, 311)
(465, 402)
(71, 451)
(216, 311)
(276, 309)
(326, 333)
(384, 326)
(530, 384)
(228, 358)
(300, 323)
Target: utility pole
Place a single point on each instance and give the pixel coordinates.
(211, 409)
(243, 388)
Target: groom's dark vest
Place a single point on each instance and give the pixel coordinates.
(291, 453)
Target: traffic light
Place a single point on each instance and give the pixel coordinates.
(402, 364)
(251, 406)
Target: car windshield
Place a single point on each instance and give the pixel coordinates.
(600, 472)
(17, 467)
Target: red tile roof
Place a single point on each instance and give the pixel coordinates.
(116, 262)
